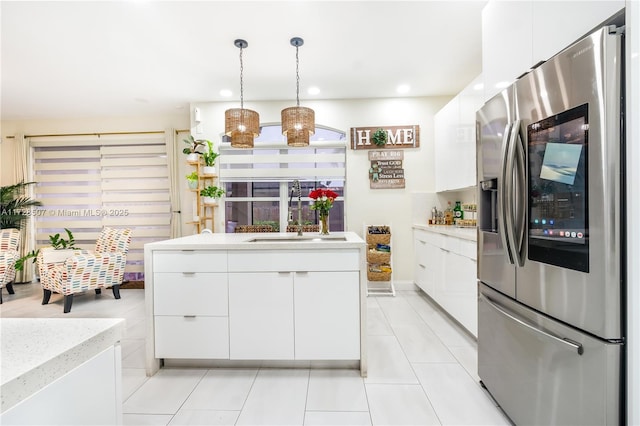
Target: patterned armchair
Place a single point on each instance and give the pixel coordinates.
(86, 270)
(9, 243)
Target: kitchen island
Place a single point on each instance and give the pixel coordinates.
(265, 299)
(49, 364)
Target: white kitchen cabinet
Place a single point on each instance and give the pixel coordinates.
(90, 394)
(558, 24)
(446, 270)
(516, 35)
(261, 315)
(507, 32)
(219, 298)
(326, 325)
(191, 301)
(294, 305)
(455, 139)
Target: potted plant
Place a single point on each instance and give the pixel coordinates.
(210, 194)
(209, 157)
(15, 205)
(61, 248)
(192, 180)
(193, 148)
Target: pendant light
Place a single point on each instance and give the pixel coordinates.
(298, 123)
(242, 125)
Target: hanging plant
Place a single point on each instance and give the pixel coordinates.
(379, 137)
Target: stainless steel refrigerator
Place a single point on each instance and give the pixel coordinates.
(551, 239)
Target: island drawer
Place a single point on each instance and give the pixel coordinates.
(190, 261)
(197, 337)
(198, 293)
(294, 260)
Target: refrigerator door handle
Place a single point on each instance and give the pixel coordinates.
(520, 194)
(574, 345)
(510, 192)
(503, 191)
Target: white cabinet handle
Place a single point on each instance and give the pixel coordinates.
(188, 273)
(302, 272)
(189, 316)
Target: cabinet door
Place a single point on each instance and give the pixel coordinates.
(191, 337)
(470, 100)
(327, 315)
(561, 16)
(261, 315)
(434, 270)
(445, 123)
(459, 292)
(90, 394)
(506, 43)
(198, 293)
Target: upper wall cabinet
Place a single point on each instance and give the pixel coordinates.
(455, 140)
(557, 24)
(506, 43)
(518, 35)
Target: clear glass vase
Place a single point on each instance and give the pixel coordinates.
(324, 224)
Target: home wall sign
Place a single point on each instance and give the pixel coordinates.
(397, 137)
(386, 169)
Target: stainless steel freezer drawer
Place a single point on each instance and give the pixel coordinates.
(543, 372)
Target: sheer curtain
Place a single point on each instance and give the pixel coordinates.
(23, 173)
(170, 137)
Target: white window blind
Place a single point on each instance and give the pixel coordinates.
(87, 183)
(265, 162)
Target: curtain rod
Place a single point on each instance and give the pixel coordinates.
(99, 134)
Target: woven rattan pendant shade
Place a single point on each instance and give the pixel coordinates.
(298, 123)
(242, 125)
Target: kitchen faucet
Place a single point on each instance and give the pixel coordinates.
(296, 188)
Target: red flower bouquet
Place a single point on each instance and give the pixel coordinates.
(322, 200)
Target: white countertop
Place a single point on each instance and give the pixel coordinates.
(454, 231)
(269, 241)
(37, 351)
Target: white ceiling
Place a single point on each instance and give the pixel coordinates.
(91, 59)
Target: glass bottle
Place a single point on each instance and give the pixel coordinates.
(458, 215)
(448, 214)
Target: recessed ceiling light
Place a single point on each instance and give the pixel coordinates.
(226, 93)
(503, 84)
(403, 88)
(313, 91)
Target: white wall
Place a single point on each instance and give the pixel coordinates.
(363, 205)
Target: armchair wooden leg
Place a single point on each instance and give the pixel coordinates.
(68, 300)
(46, 296)
(0, 295)
(98, 291)
(10, 288)
(116, 291)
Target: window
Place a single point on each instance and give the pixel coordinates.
(258, 182)
(86, 183)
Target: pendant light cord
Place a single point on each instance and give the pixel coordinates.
(241, 85)
(297, 79)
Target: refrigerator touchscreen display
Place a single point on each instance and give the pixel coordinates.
(557, 163)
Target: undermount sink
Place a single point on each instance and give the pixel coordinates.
(296, 238)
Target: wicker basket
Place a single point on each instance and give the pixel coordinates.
(378, 276)
(374, 256)
(373, 239)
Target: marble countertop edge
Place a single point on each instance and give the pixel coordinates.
(24, 375)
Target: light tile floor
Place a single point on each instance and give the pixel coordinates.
(422, 371)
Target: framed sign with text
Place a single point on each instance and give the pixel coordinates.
(386, 169)
(396, 137)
